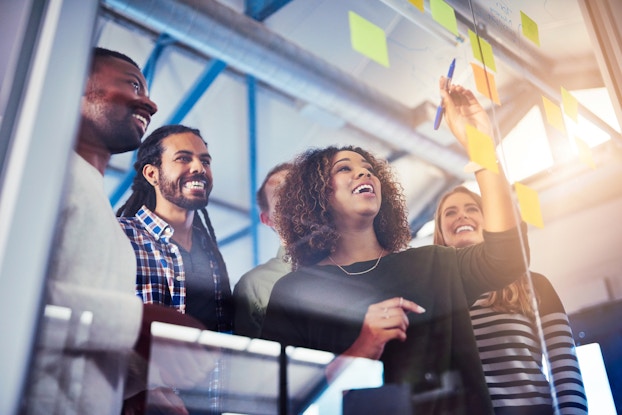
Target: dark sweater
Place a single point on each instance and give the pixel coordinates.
(320, 307)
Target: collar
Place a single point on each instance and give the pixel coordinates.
(154, 224)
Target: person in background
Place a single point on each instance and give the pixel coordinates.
(505, 325)
(92, 267)
(358, 291)
(178, 261)
(252, 291)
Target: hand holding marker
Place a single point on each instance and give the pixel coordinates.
(440, 109)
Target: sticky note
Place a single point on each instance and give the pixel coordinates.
(482, 51)
(418, 4)
(481, 149)
(553, 114)
(529, 205)
(368, 39)
(485, 83)
(444, 14)
(530, 28)
(585, 153)
(571, 105)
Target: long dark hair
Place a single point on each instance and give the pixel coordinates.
(143, 193)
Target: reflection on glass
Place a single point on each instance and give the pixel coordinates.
(55, 366)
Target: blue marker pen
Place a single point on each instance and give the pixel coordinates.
(440, 109)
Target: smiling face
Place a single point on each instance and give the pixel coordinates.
(116, 109)
(356, 190)
(461, 220)
(184, 178)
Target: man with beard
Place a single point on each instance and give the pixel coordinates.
(178, 261)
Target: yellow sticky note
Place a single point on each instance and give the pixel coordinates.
(482, 51)
(571, 105)
(553, 114)
(444, 14)
(529, 205)
(530, 28)
(368, 39)
(485, 83)
(481, 149)
(418, 4)
(585, 153)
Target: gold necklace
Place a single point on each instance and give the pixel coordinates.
(361, 272)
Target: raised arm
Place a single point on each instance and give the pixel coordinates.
(462, 109)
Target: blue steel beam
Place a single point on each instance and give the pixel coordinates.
(262, 9)
(252, 170)
(150, 66)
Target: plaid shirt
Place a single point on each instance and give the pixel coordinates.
(160, 276)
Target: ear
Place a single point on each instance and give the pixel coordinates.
(265, 219)
(151, 174)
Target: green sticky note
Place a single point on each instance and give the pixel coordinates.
(553, 114)
(530, 28)
(444, 14)
(529, 205)
(571, 105)
(482, 51)
(368, 39)
(418, 4)
(481, 149)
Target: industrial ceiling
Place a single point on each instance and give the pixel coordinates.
(264, 81)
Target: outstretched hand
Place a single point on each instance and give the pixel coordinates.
(384, 321)
(462, 109)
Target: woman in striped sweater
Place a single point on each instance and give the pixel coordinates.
(505, 323)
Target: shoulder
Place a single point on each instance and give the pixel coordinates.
(132, 226)
(549, 299)
(128, 222)
(541, 284)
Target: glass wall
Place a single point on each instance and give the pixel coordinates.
(312, 74)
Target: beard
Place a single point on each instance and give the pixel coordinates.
(171, 192)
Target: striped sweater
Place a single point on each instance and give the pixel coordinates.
(511, 355)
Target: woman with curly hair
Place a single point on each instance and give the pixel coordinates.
(505, 326)
(357, 290)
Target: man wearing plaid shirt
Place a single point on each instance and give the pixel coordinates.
(178, 261)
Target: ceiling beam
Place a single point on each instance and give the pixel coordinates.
(213, 29)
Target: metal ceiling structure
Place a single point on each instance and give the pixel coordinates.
(284, 54)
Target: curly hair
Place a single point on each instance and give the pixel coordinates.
(514, 298)
(303, 217)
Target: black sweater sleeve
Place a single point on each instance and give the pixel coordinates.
(498, 261)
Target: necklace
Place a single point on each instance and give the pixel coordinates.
(360, 272)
